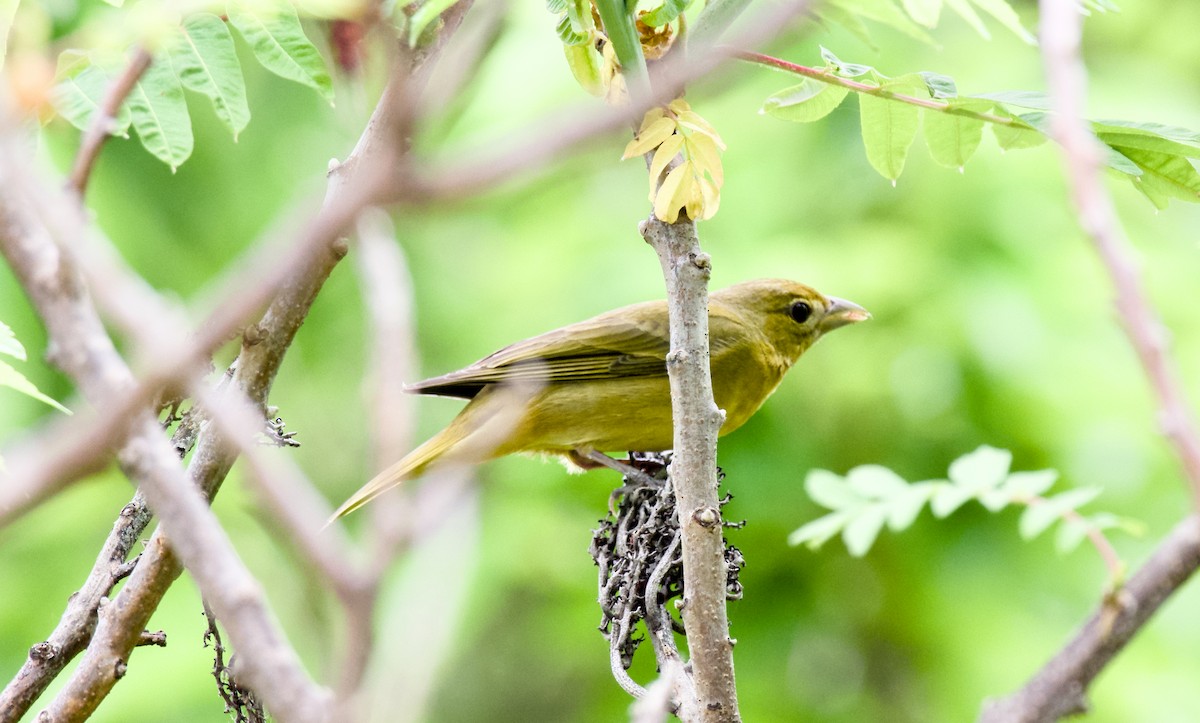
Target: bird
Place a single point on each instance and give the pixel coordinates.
(601, 385)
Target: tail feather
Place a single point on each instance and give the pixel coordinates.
(414, 464)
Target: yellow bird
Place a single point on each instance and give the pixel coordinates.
(601, 385)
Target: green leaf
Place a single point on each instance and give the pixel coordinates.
(569, 35)
(846, 70)
(429, 11)
(1038, 517)
(279, 43)
(1149, 136)
(940, 86)
(1017, 135)
(952, 139)
(1172, 175)
(809, 101)
(873, 481)
(904, 506)
(947, 498)
(819, 531)
(983, 469)
(9, 345)
(923, 12)
(206, 61)
(967, 13)
(885, 12)
(851, 22)
(888, 129)
(1034, 99)
(77, 97)
(665, 13)
(1070, 534)
(830, 491)
(14, 380)
(860, 533)
(1029, 484)
(1006, 16)
(159, 113)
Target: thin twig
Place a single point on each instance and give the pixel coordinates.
(825, 75)
(1061, 31)
(103, 120)
(1059, 688)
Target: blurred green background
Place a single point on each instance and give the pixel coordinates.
(992, 324)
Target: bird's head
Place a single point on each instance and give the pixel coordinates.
(792, 316)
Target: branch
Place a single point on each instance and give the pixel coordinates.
(827, 76)
(1061, 30)
(1058, 689)
(697, 421)
(102, 121)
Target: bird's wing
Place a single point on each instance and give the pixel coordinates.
(630, 342)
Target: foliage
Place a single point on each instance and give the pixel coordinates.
(694, 185)
(197, 54)
(11, 378)
(1156, 158)
(871, 496)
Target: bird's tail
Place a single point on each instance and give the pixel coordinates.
(482, 431)
(414, 464)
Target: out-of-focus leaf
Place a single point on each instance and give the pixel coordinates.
(819, 531)
(1040, 516)
(923, 12)
(940, 86)
(1070, 534)
(947, 498)
(952, 139)
(586, 65)
(8, 11)
(1006, 16)
(829, 490)
(77, 97)
(1033, 99)
(159, 114)
(860, 533)
(665, 13)
(888, 130)
(280, 45)
(1172, 174)
(1017, 135)
(206, 62)
(809, 101)
(9, 345)
(982, 469)
(13, 379)
(1029, 484)
(874, 481)
(905, 505)
(846, 70)
(885, 12)
(966, 12)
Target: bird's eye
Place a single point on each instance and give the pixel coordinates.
(801, 310)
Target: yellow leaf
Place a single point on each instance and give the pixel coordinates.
(712, 198)
(673, 191)
(651, 115)
(702, 149)
(679, 105)
(649, 138)
(691, 119)
(667, 151)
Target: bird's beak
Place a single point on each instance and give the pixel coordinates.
(842, 312)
